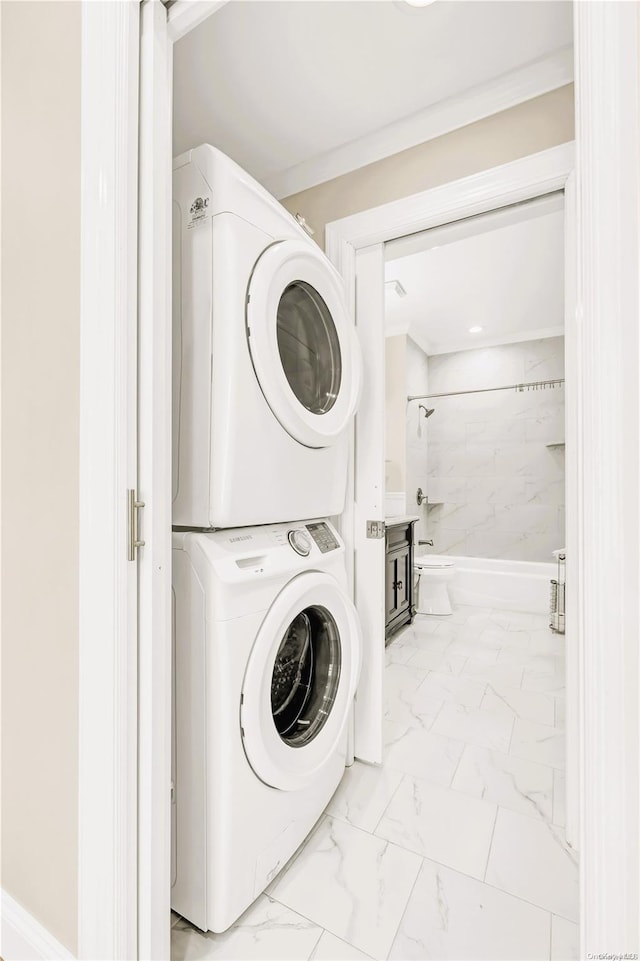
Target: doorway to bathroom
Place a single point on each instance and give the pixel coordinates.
(475, 385)
(357, 246)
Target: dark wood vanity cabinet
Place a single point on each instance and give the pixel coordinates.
(399, 600)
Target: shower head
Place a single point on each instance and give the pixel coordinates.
(427, 413)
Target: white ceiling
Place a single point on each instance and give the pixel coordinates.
(278, 84)
(503, 272)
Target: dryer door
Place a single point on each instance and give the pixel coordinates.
(300, 681)
(302, 342)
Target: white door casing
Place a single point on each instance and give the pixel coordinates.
(154, 471)
(355, 245)
(607, 42)
(368, 503)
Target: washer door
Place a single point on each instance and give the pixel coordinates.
(300, 681)
(302, 344)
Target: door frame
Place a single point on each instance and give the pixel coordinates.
(607, 195)
(355, 244)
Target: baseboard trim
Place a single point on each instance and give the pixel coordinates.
(24, 938)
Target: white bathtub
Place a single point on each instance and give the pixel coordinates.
(510, 585)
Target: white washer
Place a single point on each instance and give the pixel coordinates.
(267, 658)
(266, 365)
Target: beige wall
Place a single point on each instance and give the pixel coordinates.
(40, 409)
(528, 128)
(395, 404)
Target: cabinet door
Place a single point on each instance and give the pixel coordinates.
(397, 586)
(403, 582)
(391, 605)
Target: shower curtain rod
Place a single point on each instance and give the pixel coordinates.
(533, 385)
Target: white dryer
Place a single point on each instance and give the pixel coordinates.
(266, 365)
(267, 658)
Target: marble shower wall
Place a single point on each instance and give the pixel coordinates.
(496, 460)
(417, 434)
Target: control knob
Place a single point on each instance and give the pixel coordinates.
(300, 541)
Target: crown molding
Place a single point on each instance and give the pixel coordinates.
(509, 90)
(185, 16)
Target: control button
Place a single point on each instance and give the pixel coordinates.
(300, 541)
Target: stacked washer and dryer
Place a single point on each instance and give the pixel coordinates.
(267, 643)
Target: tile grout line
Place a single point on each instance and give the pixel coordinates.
(315, 923)
(473, 747)
(513, 727)
(459, 762)
(493, 831)
(399, 925)
(313, 950)
(489, 884)
(373, 833)
(533, 904)
(435, 718)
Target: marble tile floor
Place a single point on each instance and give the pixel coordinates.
(454, 847)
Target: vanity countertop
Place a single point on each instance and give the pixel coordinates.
(394, 519)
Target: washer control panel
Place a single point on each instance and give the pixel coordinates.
(323, 536)
(300, 541)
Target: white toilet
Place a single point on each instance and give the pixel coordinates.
(434, 572)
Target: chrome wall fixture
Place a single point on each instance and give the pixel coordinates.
(427, 411)
(557, 595)
(533, 385)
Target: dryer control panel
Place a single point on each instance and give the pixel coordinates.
(323, 536)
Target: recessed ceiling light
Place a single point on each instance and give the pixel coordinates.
(394, 286)
(475, 330)
(412, 6)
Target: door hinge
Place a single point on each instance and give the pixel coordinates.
(135, 506)
(375, 529)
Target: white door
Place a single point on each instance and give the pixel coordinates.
(154, 470)
(108, 582)
(369, 570)
(301, 342)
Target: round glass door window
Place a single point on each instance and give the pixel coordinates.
(309, 347)
(306, 675)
